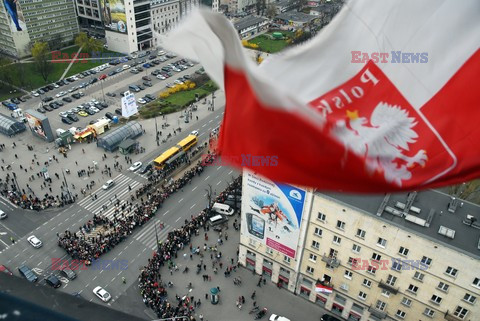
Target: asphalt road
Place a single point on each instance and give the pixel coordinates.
(21, 222)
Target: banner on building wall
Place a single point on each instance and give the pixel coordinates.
(129, 105)
(114, 15)
(272, 213)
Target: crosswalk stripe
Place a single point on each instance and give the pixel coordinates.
(107, 195)
(85, 200)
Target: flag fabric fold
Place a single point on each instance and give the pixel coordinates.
(385, 98)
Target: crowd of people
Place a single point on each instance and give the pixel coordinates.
(81, 245)
(153, 287)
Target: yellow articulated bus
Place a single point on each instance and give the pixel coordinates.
(175, 152)
(188, 142)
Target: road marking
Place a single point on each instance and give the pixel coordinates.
(230, 172)
(177, 219)
(219, 183)
(180, 200)
(193, 206)
(17, 255)
(207, 177)
(4, 243)
(94, 278)
(204, 125)
(217, 116)
(119, 273)
(24, 250)
(38, 263)
(144, 250)
(45, 223)
(210, 120)
(219, 168)
(86, 286)
(120, 253)
(194, 188)
(166, 213)
(113, 280)
(101, 271)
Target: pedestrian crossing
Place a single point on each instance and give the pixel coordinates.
(109, 197)
(148, 237)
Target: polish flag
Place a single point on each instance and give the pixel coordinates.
(384, 98)
(319, 288)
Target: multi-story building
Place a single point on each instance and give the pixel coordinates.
(165, 16)
(89, 13)
(398, 257)
(130, 28)
(187, 6)
(52, 21)
(251, 25)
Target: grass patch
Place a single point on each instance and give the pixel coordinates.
(177, 101)
(7, 92)
(266, 44)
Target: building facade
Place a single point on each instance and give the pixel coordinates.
(165, 16)
(52, 21)
(130, 31)
(187, 6)
(89, 13)
(397, 257)
(251, 25)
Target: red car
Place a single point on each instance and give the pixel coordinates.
(4, 269)
(102, 77)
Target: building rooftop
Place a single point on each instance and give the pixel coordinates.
(285, 3)
(430, 214)
(248, 21)
(295, 16)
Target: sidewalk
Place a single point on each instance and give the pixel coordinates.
(278, 301)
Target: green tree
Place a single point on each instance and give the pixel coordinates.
(87, 43)
(41, 56)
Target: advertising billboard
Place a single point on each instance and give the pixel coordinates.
(39, 125)
(272, 213)
(14, 15)
(129, 105)
(114, 15)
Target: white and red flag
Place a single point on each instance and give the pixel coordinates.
(384, 98)
(320, 288)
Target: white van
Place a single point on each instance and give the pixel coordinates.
(217, 219)
(223, 209)
(60, 131)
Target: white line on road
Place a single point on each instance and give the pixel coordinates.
(101, 271)
(4, 243)
(180, 200)
(166, 213)
(94, 278)
(193, 206)
(210, 120)
(178, 219)
(86, 286)
(230, 172)
(120, 253)
(17, 255)
(91, 300)
(194, 188)
(119, 273)
(113, 280)
(45, 223)
(204, 125)
(219, 183)
(38, 263)
(24, 250)
(219, 167)
(207, 177)
(217, 116)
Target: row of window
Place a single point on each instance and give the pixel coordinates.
(381, 242)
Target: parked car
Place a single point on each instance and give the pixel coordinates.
(3, 215)
(147, 84)
(141, 101)
(102, 294)
(146, 78)
(34, 241)
(47, 108)
(82, 113)
(90, 111)
(150, 96)
(67, 99)
(275, 317)
(41, 110)
(53, 281)
(109, 115)
(328, 317)
(68, 273)
(27, 273)
(161, 77)
(72, 117)
(118, 111)
(35, 94)
(102, 77)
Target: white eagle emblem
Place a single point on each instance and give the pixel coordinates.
(383, 141)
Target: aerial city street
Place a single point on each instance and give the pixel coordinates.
(118, 202)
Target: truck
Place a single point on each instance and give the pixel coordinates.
(223, 209)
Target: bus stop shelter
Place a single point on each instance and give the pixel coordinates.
(127, 146)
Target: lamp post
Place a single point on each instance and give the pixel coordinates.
(213, 101)
(156, 132)
(16, 182)
(209, 195)
(103, 94)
